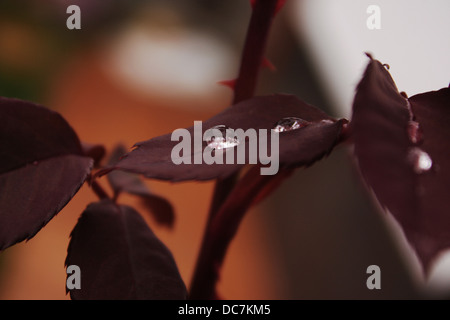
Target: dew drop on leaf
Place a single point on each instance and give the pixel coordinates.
(224, 141)
(420, 160)
(290, 123)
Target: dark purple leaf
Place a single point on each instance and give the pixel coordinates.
(131, 183)
(124, 181)
(152, 158)
(42, 166)
(120, 257)
(390, 138)
(160, 208)
(29, 132)
(94, 151)
(32, 195)
(432, 225)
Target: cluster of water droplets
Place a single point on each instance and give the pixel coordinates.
(226, 141)
(419, 159)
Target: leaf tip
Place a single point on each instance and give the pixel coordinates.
(369, 55)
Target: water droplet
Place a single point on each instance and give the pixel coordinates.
(290, 123)
(225, 140)
(420, 160)
(414, 132)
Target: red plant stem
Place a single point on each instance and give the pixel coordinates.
(253, 54)
(222, 229)
(245, 86)
(99, 191)
(222, 189)
(206, 271)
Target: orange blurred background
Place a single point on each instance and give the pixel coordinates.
(90, 90)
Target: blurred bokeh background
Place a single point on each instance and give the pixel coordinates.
(141, 68)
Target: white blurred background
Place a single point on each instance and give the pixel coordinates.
(413, 39)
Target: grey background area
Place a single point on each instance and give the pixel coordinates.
(327, 224)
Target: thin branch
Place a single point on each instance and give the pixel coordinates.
(205, 274)
(99, 191)
(252, 188)
(254, 48)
